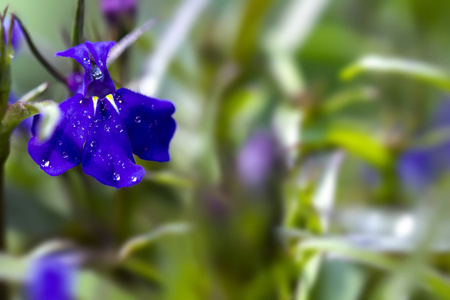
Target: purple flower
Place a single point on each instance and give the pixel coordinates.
(256, 159)
(418, 168)
(116, 11)
(16, 33)
(102, 127)
(52, 277)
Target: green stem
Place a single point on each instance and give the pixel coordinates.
(4, 152)
(77, 34)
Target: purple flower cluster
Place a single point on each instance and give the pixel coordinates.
(102, 127)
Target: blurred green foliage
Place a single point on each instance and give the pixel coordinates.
(248, 66)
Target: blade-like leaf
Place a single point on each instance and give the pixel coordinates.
(139, 242)
(411, 68)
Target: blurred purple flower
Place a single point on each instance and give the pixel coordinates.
(417, 167)
(102, 127)
(115, 11)
(52, 277)
(17, 35)
(257, 158)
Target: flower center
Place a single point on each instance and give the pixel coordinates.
(108, 97)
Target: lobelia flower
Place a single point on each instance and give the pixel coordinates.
(102, 127)
(52, 277)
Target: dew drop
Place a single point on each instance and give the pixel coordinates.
(133, 179)
(153, 106)
(93, 144)
(60, 142)
(45, 163)
(65, 155)
(116, 176)
(137, 119)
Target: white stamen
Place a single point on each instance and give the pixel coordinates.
(95, 99)
(111, 100)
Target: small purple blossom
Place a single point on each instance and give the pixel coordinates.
(116, 10)
(102, 127)
(256, 159)
(16, 33)
(417, 168)
(52, 277)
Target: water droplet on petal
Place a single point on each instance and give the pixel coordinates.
(137, 119)
(45, 163)
(116, 176)
(153, 106)
(93, 144)
(133, 179)
(60, 142)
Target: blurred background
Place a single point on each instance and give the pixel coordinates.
(311, 158)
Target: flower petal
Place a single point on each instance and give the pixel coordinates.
(99, 52)
(52, 277)
(64, 149)
(149, 124)
(81, 54)
(107, 154)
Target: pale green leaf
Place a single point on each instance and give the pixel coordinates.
(410, 68)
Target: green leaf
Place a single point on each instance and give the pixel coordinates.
(128, 40)
(426, 277)
(346, 98)
(21, 110)
(410, 68)
(359, 143)
(91, 286)
(12, 269)
(142, 241)
(50, 117)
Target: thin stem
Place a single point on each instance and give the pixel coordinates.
(77, 33)
(4, 152)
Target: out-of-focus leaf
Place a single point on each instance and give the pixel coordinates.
(50, 116)
(350, 137)
(172, 39)
(239, 113)
(251, 22)
(21, 110)
(91, 286)
(324, 194)
(168, 178)
(128, 40)
(426, 277)
(12, 268)
(34, 93)
(295, 23)
(346, 98)
(142, 241)
(287, 74)
(341, 280)
(411, 68)
(308, 277)
(359, 143)
(142, 268)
